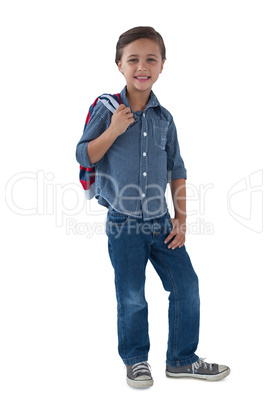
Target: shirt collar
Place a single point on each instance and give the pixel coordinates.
(152, 102)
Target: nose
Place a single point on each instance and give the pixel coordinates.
(142, 66)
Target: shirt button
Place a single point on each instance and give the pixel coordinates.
(144, 154)
(144, 133)
(144, 174)
(143, 114)
(143, 195)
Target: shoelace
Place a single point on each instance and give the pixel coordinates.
(198, 364)
(141, 368)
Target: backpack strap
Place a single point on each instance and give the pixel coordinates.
(87, 175)
(110, 102)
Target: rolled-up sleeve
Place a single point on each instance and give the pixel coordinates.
(175, 164)
(95, 127)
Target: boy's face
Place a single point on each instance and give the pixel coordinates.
(141, 63)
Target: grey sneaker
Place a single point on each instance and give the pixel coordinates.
(139, 375)
(199, 369)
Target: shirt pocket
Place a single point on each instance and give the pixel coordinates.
(160, 129)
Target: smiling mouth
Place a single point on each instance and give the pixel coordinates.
(142, 78)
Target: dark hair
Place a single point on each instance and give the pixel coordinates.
(138, 33)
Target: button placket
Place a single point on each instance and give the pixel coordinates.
(144, 160)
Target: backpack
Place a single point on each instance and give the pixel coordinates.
(87, 174)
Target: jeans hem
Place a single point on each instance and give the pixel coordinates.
(133, 360)
(182, 362)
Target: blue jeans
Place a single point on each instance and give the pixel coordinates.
(131, 242)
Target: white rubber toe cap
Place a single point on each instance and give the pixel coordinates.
(222, 368)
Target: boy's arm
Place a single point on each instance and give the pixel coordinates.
(120, 121)
(178, 190)
(175, 164)
(94, 144)
(176, 176)
(99, 146)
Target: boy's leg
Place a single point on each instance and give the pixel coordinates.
(129, 255)
(179, 278)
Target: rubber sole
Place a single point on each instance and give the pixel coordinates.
(140, 383)
(215, 377)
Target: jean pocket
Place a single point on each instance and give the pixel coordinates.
(116, 218)
(160, 134)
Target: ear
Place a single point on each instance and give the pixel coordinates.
(162, 65)
(119, 65)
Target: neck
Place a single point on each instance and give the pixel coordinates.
(137, 99)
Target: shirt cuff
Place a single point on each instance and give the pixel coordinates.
(177, 173)
(84, 157)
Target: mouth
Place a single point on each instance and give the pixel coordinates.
(142, 78)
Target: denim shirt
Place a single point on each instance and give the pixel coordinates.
(132, 175)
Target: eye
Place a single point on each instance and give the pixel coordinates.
(151, 60)
(133, 60)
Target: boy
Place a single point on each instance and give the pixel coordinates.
(135, 153)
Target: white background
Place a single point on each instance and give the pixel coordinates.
(58, 310)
